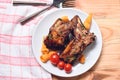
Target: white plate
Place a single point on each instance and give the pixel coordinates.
(92, 52)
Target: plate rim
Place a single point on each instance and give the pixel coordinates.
(80, 11)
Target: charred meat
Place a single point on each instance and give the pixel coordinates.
(58, 35)
(70, 38)
(82, 38)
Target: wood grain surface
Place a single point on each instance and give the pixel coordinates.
(107, 15)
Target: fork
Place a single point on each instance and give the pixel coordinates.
(56, 3)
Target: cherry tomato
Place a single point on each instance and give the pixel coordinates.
(54, 59)
(68, 68)
(61, 64)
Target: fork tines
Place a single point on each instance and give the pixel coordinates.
(68, 3)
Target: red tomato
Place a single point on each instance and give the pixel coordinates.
(61, 64)
(68, 68)
(54, 59)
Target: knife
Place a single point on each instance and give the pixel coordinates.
(32, 2)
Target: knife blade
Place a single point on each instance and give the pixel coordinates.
(31, 2)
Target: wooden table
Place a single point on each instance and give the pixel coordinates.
(107, 15)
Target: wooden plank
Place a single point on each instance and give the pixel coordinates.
(107, 15)
(95, 75)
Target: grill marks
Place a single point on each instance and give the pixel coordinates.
(58, 35)
(71, 38)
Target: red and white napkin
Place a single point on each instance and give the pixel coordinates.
(16, 58)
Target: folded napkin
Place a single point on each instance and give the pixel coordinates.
(16, 57)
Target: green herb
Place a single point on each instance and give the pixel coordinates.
(50, 36)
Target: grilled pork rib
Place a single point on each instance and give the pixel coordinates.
(58, 35)
(82, 38)
(71, 38)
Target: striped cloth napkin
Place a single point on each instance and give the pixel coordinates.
(16, 58)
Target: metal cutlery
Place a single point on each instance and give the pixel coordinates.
(26, 2)
(56, 3)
